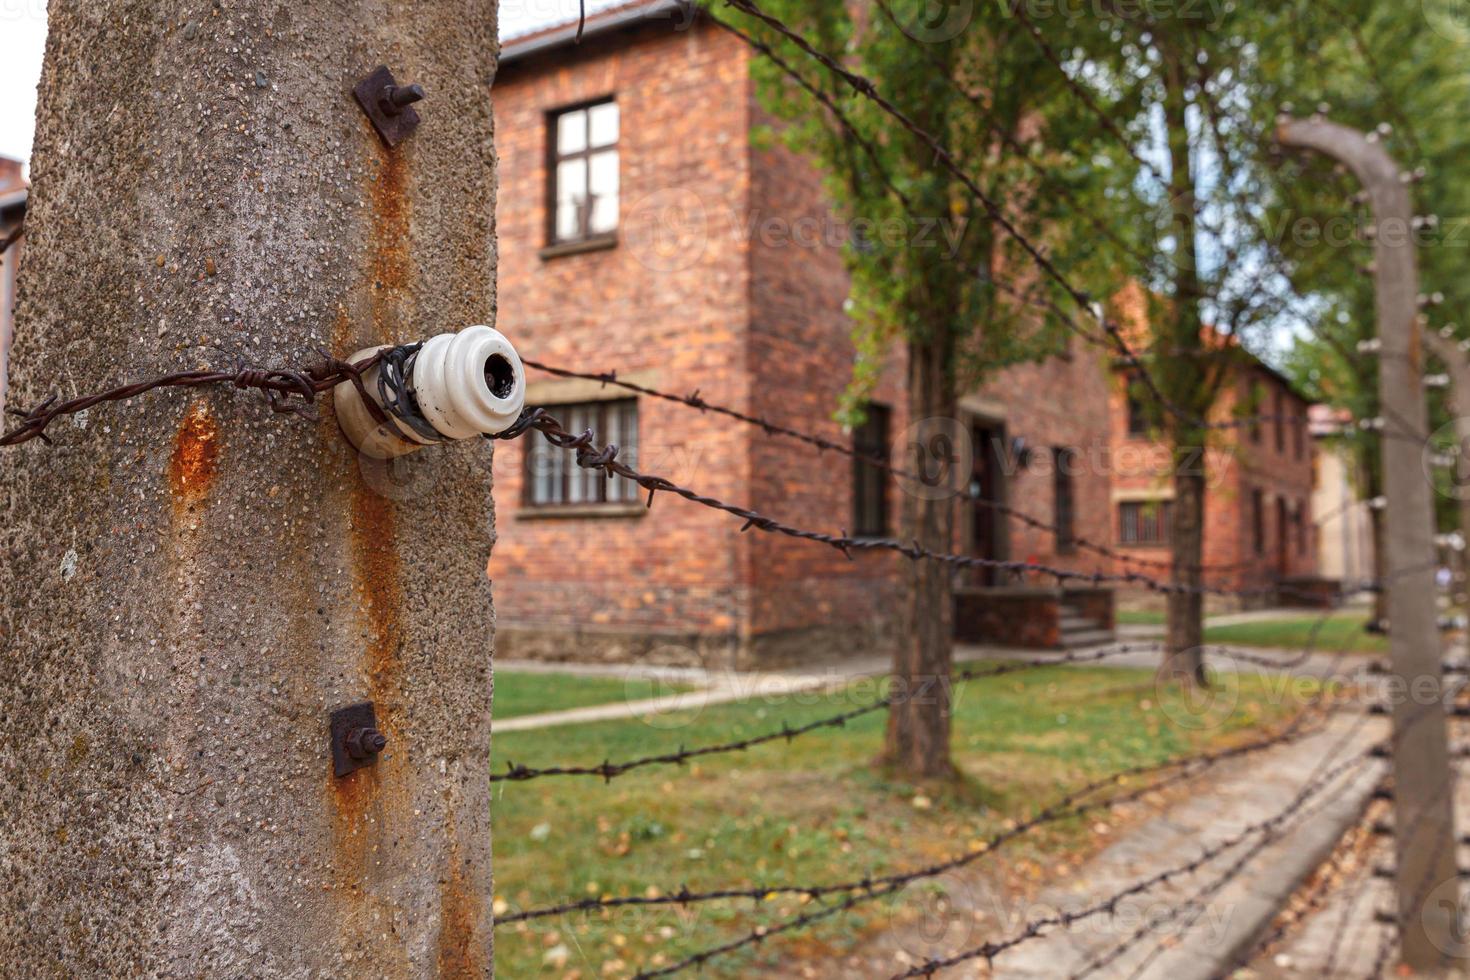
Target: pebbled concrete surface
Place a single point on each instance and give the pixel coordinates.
(190, 582)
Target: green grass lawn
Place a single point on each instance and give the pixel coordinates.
(813, 810)
(1339, 631)
(518, 694)
(1139, 617)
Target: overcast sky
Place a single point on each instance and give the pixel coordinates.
(22, 40)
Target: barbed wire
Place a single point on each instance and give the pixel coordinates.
(1073, 804)
(697, 401)
(873, 888)
(1270, 826)
(1199, 900)
(287, 391)
(609, 770)
(588, 456)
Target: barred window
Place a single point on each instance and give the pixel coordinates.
(1145, 521)
(584, 173)
(553, 478)
(870, 482)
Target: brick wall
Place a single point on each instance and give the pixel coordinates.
(1236, 465)
(800, 360)
(748, 308)
(668, 584)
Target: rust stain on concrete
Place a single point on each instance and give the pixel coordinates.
(460, 952)
(392, 262)
(380, 587)
(195, 459)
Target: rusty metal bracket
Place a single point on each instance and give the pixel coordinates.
(389, 105)
(356, 740)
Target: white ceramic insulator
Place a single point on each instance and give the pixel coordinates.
(453, 377)
(466, 384)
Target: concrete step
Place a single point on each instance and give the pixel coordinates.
(1068, 622)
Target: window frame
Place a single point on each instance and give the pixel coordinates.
(554, 158)
(1163, 522)
(627, 491)
(868, 477)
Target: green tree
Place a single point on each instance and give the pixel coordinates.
(1397, 70)
(975, 85)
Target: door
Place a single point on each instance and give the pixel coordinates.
(987, 486)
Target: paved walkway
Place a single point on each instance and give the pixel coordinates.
(1202, 923)
(1338, 938)
(1206, 920)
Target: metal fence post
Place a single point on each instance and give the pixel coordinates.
(1423, 802)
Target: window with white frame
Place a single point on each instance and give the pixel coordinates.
(584, 173)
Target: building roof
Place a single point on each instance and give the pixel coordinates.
(529, 26)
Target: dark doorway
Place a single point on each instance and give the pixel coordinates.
(987, 486)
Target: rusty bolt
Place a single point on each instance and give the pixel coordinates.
(363, 743)
(396, 98)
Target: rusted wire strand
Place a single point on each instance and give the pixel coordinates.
(286, 390)
(875, 888)
(1266, 830)
(589, 456)
(696, 401)
(1074, 803)
(609, 770)
(1197, 902)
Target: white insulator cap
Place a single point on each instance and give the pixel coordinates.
(464, 384)
(469, 383)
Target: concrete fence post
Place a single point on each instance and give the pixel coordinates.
(1423, 794)
(1457, 364)
(192, 584)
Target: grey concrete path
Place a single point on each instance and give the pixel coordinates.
(1206, 920)
(1339, 938)
(1200, 923)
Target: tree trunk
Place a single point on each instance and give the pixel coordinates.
(1186, 384)
(1184, 658)
(193, 583)
(917, 744)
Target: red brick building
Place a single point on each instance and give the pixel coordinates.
(1259, 529)
(13, 195)
(643, 229)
